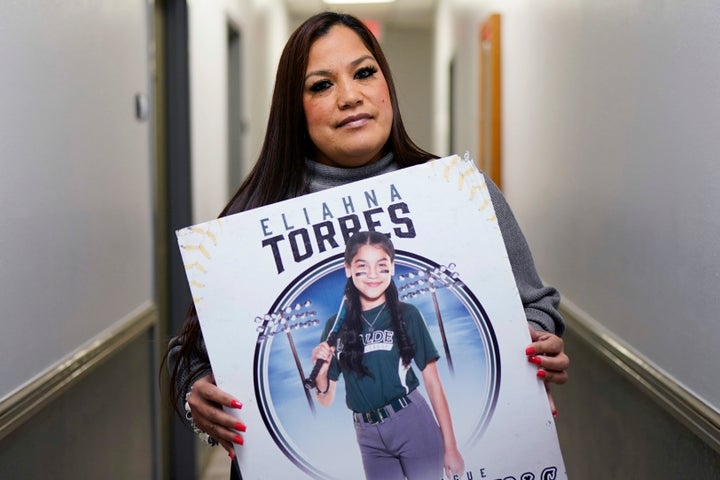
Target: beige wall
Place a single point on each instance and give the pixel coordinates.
(77, 256)
(611, 116)
(410, 54)
(102, 427)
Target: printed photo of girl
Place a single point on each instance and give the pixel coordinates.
(400, 434)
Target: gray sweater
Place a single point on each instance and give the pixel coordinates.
(540, 301)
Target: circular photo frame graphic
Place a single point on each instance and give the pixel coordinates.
(321, 440)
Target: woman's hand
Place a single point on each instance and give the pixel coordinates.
(547, 351)
(206, 401)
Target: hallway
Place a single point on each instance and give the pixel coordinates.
(126, 121)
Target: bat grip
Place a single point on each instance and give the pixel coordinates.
(310, 381)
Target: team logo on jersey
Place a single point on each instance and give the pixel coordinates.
(378, 340)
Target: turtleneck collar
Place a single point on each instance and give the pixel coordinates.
(321, 176)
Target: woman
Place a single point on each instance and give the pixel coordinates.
(378, 338)
(335, 119)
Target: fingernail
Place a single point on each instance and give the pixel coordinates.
(231, 454)
(235, 404)
(240, 427)
(541, 374)
(238, 439)
(530, 351)
(555, 413)
(535, 359)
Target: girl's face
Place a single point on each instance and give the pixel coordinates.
(346, 100)
(371, 270)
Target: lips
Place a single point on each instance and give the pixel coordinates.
(354, 119)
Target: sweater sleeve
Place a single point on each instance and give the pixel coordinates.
(190, 369)
(539, 301)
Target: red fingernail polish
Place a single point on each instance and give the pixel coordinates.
(541, 374)
(240, 427)
(231, 454)
(535, 359)
(238, 439)
(235, 404)
(555, 413)
(530, 351)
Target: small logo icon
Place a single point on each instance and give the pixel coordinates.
(549, 473)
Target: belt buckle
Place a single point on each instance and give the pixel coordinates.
(382, 413)
(376, 416)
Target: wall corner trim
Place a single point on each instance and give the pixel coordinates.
(20, 405)
(690, 410)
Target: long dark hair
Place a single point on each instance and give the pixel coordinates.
(280, 171)
(352, 327)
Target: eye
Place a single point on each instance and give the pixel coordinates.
(365, 72)
(320, 85)
(361, 269)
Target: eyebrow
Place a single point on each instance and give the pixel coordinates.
(382, 260)
(354, 63)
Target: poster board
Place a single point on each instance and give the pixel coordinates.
(265, 282)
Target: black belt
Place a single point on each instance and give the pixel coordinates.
(379, 414)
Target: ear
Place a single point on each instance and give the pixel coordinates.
(392, 269)
(348, 273)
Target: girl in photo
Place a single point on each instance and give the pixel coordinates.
(378, 340)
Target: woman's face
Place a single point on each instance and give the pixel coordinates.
(371, 270)
(346, 100)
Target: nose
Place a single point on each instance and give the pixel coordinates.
(348, 94)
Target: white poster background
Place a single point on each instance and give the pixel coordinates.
(261, 314)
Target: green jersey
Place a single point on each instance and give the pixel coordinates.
(390, 379)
